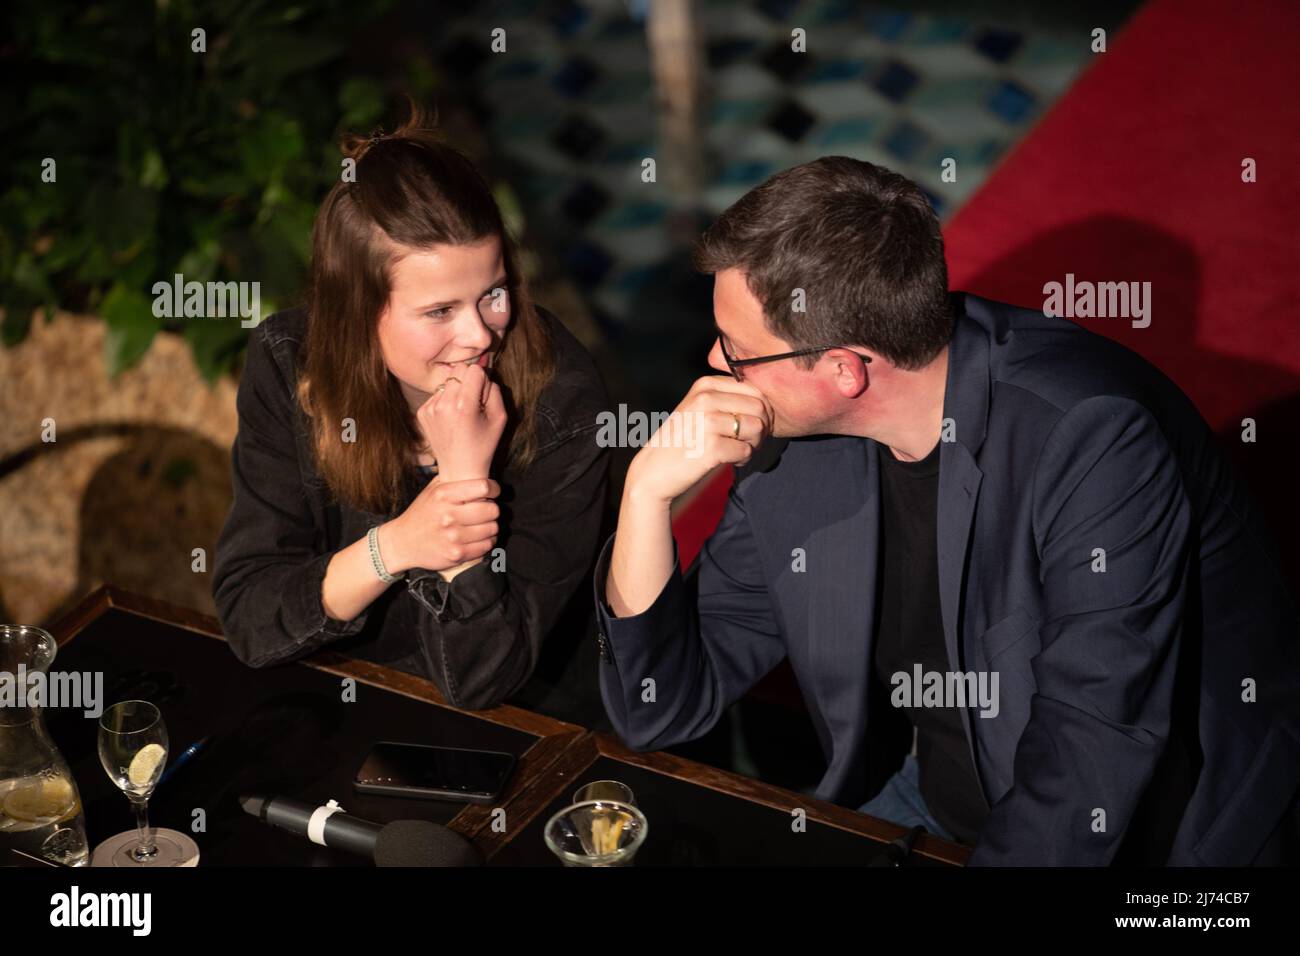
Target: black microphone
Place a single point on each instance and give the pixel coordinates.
(400, 843)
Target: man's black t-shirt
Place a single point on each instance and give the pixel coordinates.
(910, 631)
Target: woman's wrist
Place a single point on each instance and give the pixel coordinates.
(389, 539)
(450, 473)
(451, 572)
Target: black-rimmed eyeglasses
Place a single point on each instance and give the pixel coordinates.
(737, 365)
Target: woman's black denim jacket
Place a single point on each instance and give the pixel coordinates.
(479, 637)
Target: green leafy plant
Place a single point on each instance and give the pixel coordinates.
(168, 160)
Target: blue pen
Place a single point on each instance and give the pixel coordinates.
(186, 756)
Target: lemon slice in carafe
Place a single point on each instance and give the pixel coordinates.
(46, 801)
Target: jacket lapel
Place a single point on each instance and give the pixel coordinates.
(965, 409)
(843, 546)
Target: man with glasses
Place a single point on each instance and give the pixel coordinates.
(1015, 533)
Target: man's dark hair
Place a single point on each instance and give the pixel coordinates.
(863, 244)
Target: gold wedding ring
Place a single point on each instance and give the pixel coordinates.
(735, 426)
(443, 387)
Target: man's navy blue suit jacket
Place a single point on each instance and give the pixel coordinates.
(1162, 692)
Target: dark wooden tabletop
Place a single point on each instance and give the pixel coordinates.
(288, 730)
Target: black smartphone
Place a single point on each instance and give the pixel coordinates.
(434, 773)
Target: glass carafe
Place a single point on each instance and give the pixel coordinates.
(40, 807)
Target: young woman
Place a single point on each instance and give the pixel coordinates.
(416, 474)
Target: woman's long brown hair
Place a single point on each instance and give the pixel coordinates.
(412, 190)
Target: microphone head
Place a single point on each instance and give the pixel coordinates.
(421, 843)
(253, 803)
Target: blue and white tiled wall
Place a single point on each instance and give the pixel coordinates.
(570, 107)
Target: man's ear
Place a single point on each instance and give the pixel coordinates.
(850, 372)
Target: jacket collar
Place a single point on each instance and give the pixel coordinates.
(966, 394)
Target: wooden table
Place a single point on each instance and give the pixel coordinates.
(287, 730)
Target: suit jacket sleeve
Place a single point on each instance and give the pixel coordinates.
(1106, 479)
(706, 639)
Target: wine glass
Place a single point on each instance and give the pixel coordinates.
(596, 833)
(133, 751)
(604, 790)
